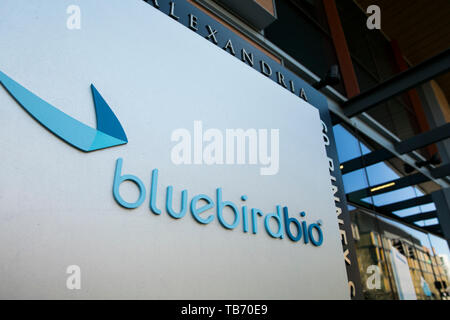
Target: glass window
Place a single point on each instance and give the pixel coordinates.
(355, 180)
(380, 173)
(394, 196)
(348, 147)
(371, 257)
(410, 266)
(420, 254)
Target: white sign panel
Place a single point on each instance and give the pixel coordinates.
(402, 274)
(216, 185)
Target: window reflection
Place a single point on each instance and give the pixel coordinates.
(411, 268)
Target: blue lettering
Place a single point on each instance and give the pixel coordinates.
(154, 188)
(277, 217)
(255, 214)
(315, 242)
(312, 233)
(169, 207)
(221, 205)
(287, 224)
(118, 179)
(196, 211)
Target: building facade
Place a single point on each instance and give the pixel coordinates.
(390, 168)
(358, 91)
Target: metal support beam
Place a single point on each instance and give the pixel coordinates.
(441, 172)
(441, 199)
(435, 228)
(400, 183)
(366, 160)
(406, 146)
(414, 202)
(423, 139)
(402, 82)
(420, 216)
(391, 216)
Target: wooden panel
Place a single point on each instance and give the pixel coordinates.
(340, 43)
(267, 4)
